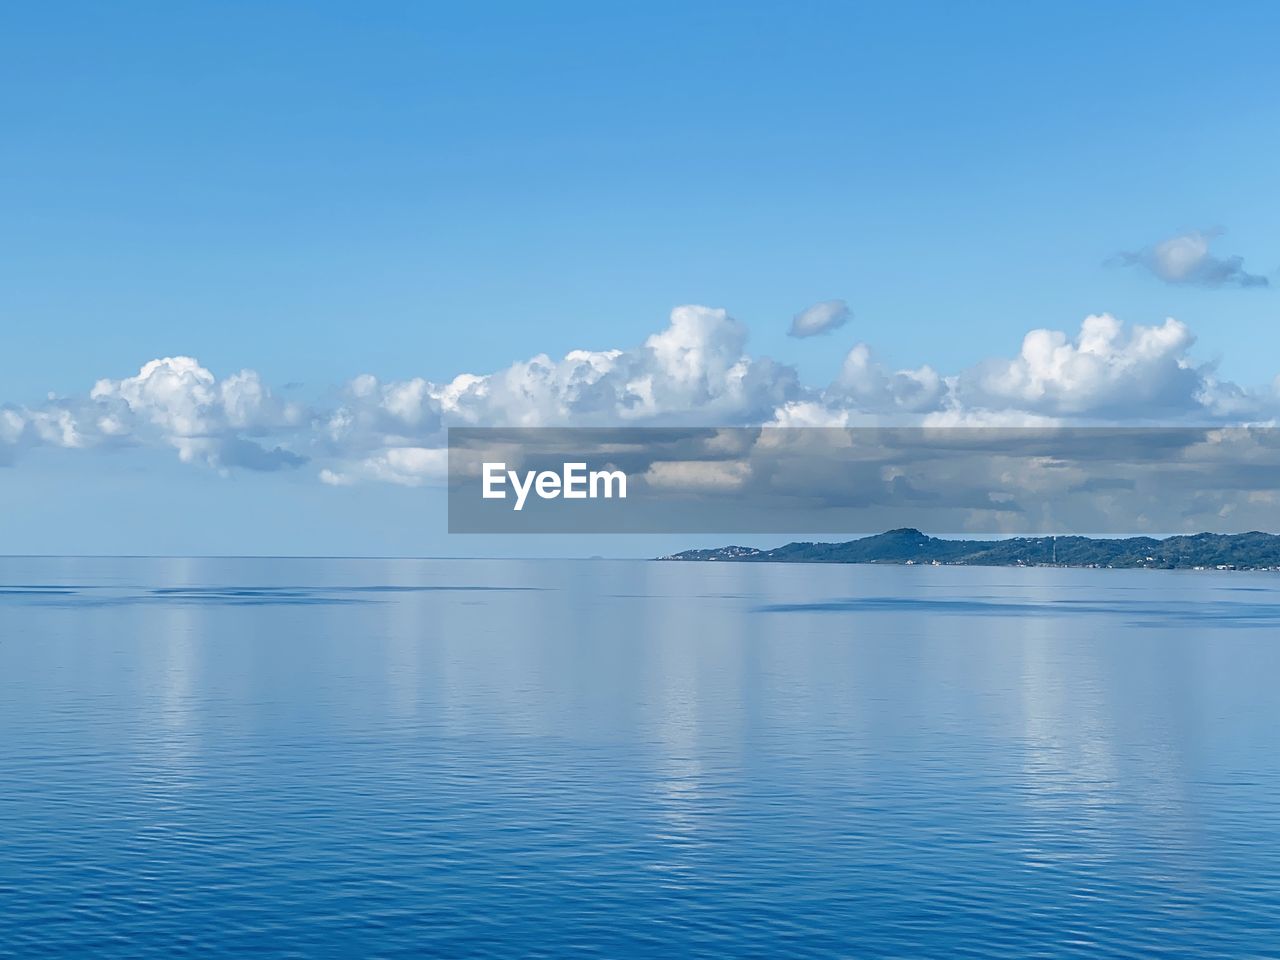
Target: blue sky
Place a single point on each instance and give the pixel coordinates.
(316, 191)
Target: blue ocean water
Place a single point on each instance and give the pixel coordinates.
(369, 758)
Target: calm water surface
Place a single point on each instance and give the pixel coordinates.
(331, 758)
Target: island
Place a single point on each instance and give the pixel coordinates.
(1201, 551)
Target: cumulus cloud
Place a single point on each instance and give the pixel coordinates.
(868, 386)
(172, 401)
(696, 371)
(1186, 259)
(176, 401)
(1104, 371)
(822, 317)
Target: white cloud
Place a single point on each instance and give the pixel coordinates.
(12, 424)
(695, 371)
(697, 366)
(1186, 259)
(406, 466)
(1105, 371)
(864, 383)
(810, 413)
(176, 402)
(822, 317)
(184, 400)
(335, 479)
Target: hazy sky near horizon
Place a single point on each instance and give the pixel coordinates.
(342, 227)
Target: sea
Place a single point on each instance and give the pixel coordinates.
(514, 758)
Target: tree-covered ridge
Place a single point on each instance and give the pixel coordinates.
(1243, 551)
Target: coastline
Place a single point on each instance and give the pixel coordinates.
(1253, 551)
